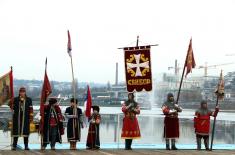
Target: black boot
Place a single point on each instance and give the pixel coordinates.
(26, 142)
(130, 143)
(198, 143)
(14, 145)
(206, 142)
(173, 147)
(167, 144)
(126, 144)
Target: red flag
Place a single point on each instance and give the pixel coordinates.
(69, 46)
(189, 62)
(6, 89)
(46, 91)
(88, 103)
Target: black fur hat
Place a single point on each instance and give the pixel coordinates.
(74, 100)
(203, 102)
(95, 107)
(52, 100)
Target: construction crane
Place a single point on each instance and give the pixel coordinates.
(205, 67)
(231, 54)
(176, 68)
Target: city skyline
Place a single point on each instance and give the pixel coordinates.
(33, 30)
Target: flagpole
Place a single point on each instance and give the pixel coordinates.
(137, 44)
(213, 128)
(74, 90)
(181, 81)
(11, 106)
(42, 115)
(73, 82)
(214, 122)
(137, 41)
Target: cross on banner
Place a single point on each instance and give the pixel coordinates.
(138, 65)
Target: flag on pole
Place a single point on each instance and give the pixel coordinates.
(69, 46)
(46, 91)
(6, 89)
(189, 62)
(88, 103)
(220, 87)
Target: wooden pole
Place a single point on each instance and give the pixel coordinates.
(213, 128)
(12, 101)
(42, 115)
(181, 81)
(74, 90)
(74, 96)
(137, 42)
(217, 103)
(145, 45)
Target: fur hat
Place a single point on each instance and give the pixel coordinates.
(203, 102)
(52, 100)
(22, 89)
(95, 107)
(74, 100)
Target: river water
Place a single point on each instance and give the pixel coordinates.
(151, 126)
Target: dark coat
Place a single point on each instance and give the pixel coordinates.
(21, 118)
(74, 124)
(46, 127)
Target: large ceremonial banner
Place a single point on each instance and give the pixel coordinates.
(138, 68)
(6, 88)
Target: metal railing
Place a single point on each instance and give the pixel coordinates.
(151, 127)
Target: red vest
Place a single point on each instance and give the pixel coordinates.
(202, 124)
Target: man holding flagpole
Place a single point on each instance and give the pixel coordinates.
(46, 91)
(202, 123)
(171, 107)
(74, 129)
(171, 122)
(220, 96)
(69, 49)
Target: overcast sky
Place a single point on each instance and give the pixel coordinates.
(32, 30)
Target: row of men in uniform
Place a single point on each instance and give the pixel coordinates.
(52, 128)
(170, 109)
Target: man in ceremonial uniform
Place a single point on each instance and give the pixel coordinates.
(74, 115)
(171, 122)
(130, 129)
(53, 124)
(22, 116)
(202, 123)
(93, 137)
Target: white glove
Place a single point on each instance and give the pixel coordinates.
(130, 105)
(176, 105)
(172, 111)
(71, 116)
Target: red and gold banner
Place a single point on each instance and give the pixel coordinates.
(46, 91)
(6, 89)
(138, 68)
(190, 62)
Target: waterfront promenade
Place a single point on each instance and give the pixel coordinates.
(118, 152)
